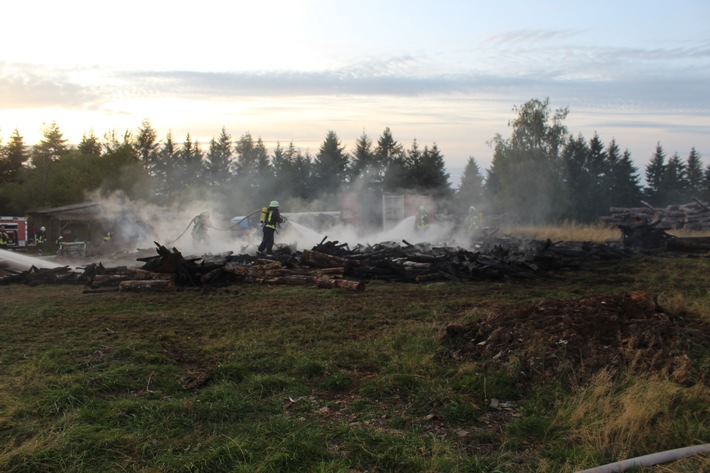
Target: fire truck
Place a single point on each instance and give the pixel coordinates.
(16, 230)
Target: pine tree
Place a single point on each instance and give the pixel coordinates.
(470, 191)
(304, 175)
(331, 165)
(51, 147)
(163, 170)
(218, 160)
(388, 152)
(146, 145)
(431, 176)
(188, 170)
(362, 165)
(654, 174)
(14, 156)
(598, 197)
(577, 178)
(694, 174)
(246, 159)
(89, 144)
(674, 184)
(245, 178)
(624, 185)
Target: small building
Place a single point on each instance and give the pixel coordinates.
(381, 211)
(74, 223)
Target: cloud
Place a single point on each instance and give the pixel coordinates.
(528, 37)
(654, 125)
(28, 86)
(579, 76)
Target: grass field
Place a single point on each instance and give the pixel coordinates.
(255, 378)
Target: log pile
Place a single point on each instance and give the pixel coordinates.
(652, 237)
(38, 276)
(497, 258)
(692, 216)
(331, 264)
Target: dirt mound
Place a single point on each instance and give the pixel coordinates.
(583, 336)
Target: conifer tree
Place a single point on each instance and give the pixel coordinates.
(188, 166)
(388, 152)
(147, 146)
(51, 147)
(694, 174)
(471, 190)
(674, 183)
(89, 144)
(655, 169)
(330, 166)
(218, 160)
(163, 170)
(430, 173)
(362, 165)
(624, 184)
(13, 157)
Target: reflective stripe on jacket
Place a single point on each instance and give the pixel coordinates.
(273, 217)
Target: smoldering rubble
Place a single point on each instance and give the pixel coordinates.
(329, 264)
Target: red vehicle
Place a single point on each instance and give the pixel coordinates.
(16, 230)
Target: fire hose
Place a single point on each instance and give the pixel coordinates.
(183, 232)
(223, 229)
(650, 460)
(246, 217)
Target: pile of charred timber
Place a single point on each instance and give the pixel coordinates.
(692, 216)
(654, 238)
(331, 264)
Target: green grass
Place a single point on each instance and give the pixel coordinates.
(297, 379)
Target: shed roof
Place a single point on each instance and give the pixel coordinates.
(83, 212)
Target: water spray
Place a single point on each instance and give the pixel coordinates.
(25, 261)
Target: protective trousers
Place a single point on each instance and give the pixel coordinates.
(267, 242)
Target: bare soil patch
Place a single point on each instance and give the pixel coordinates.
(585, 335)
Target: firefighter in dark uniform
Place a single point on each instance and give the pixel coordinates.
(269, 220)
(41, 239)
(4, 238)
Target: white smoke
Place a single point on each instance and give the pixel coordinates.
(137, 225)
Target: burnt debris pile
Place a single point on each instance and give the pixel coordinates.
(331, 264)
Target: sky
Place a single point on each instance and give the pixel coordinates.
(289, 71)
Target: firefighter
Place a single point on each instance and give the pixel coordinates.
(270, 219)
(422, 219)
(59, 243)
(200, 224)
(473, 221)
(41, 239)
(108, 234)
(4, 238)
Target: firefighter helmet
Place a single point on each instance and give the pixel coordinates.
(274, 203)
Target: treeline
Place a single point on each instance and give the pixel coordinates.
(541, 173)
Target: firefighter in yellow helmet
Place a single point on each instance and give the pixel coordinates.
(270, 219)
